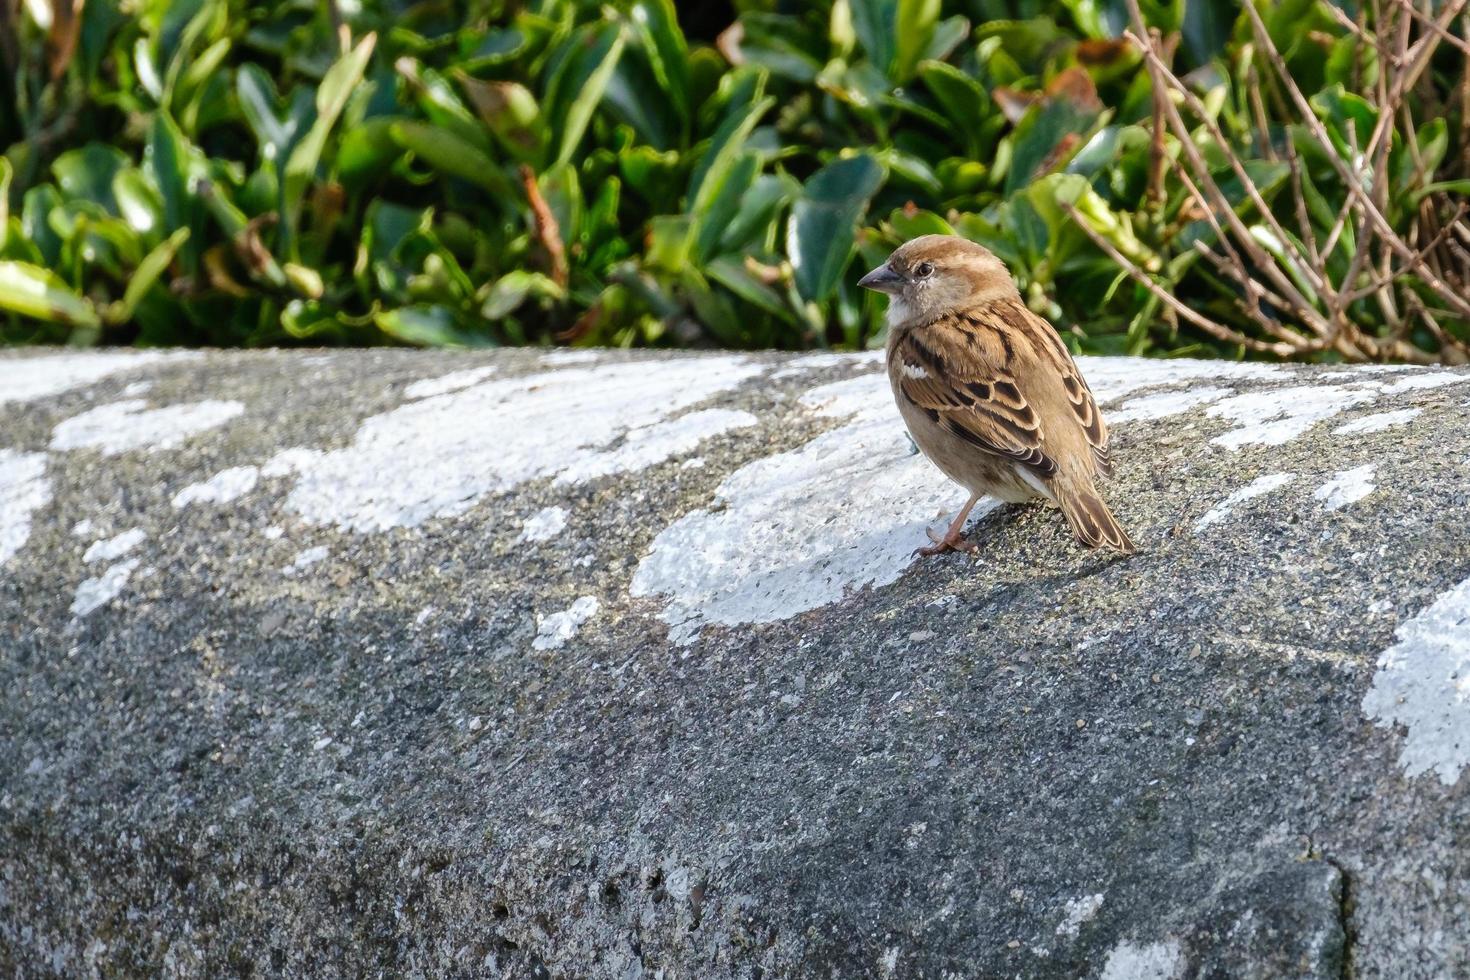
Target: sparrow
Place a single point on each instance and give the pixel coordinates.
(988, 390)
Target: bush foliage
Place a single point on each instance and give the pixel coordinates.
(1186, 177)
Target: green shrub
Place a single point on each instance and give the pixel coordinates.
(472, 173)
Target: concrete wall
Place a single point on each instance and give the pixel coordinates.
(601, 664)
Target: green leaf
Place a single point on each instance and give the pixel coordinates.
(1049, 133)
(145, 69)
(906, 225)
(275, 132)
(167, 159)
(626, 95)
(1461, 187)
(724, 202)
(305, 280)
(670, 240)
(775, 42)
(441, 104)
(512, 115)
(514, 288)
(965, 103)
(36, 292)
(657, 24)
(874, 21)
(648, 171)
(6, 173)
(195, 83)
(562, 192)
(753, 227)
(915, 21)
(87, 174)
(497, 47)
(948, 35)
(734, 276)
(601, 223)
(727, 144)
(1350, 119)
(35, 221)
(823, 225)
(577, 88)
(449, 154)
(425, 325)
(331, 98)
(154, 265)
(137, 202)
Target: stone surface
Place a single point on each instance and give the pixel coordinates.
(620, 665)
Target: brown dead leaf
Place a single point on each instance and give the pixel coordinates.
(1101, 53)
(548, 233)
(61, 40)
(1075, 85)
(1013, 102)
(728, 43)
(584, 325)
(217, 271)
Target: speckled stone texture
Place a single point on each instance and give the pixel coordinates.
(619, 665)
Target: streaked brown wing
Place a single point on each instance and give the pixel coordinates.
(947, 372)
(1079, 396)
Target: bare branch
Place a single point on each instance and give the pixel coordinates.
(1217, 330)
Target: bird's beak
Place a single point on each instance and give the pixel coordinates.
(883, 279)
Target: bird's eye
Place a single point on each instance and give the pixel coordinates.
(924, 270)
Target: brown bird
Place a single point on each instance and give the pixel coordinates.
(988, 389)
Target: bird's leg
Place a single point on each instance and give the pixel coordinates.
(954, 538)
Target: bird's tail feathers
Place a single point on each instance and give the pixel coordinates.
(1092, 522)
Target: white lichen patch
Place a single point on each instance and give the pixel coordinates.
(1423, 683)
(1377, 422)
(544, 525)
(1275, 416)
(24, 490)
(115, 547)
(1111, 378)
(289, 462)
(815, 362)
(1346, 487)
(553, 631)
(1165, 403)
(94, 593)
(570, 356)
(1144, 961)
(1426, 381)
(1256, 488)
(29, 378)
(223, 487)
(437, 457)
(798, 530)
(651, 444)
(305, 559)
(453, 381)
(123, 426)
(1077, 912)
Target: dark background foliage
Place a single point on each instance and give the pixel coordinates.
(225, 173)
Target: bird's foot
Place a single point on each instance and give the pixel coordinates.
(948, 542)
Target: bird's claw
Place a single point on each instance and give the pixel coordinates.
(944, 544)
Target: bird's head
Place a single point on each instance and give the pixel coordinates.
(932, 275)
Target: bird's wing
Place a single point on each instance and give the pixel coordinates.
(948, 371)
(992, 376)
(1079, 396)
